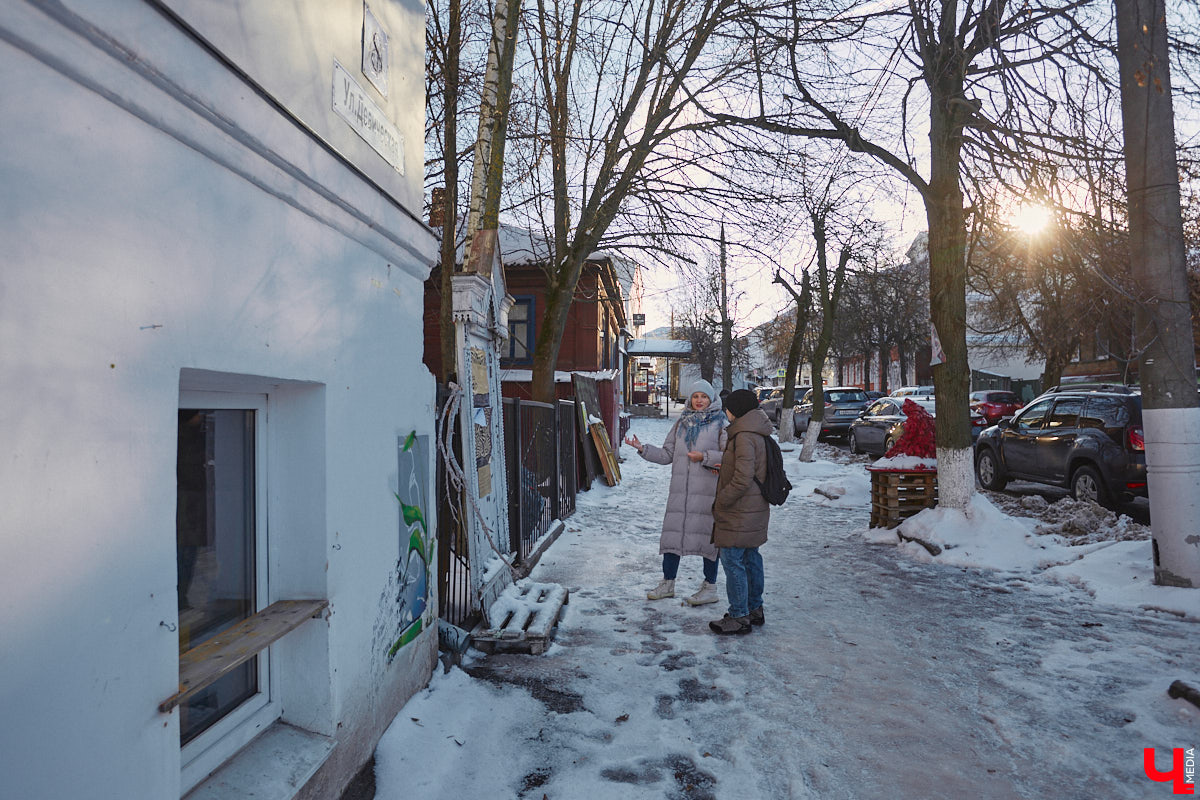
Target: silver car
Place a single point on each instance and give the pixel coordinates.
(843, 404)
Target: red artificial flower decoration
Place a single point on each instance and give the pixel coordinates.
(918, 438)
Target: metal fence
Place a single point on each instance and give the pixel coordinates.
(540, 454)
(454, 555)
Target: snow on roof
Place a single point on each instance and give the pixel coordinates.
(526, 375)
(659, 347)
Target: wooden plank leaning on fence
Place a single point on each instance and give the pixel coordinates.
(608, 459)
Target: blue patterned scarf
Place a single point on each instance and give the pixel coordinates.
(693, 421)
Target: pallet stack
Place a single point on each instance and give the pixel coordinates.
(897, 495)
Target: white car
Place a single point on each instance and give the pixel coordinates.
(913, 391)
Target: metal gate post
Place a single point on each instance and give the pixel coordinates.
(555, 483)
(515, 531)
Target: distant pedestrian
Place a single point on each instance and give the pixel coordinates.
(741, 513)
(693, 449)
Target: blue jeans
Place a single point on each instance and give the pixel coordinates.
(671, 568)
(743, 579)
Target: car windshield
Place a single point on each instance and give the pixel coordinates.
(846, 396)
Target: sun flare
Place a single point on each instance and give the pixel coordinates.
(1032, 219)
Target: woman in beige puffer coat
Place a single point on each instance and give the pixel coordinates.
(693, 449)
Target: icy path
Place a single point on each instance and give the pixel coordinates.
(874, 676)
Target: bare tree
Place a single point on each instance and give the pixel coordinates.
(994, 74)
(803, 300)
(613, 128)
(827, 292)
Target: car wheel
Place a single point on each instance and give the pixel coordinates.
(853, 442)
(987, 470)
(1087, 485)
(888, 444)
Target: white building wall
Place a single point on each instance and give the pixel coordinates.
(166, 228)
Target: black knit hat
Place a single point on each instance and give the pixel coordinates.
(741, 401)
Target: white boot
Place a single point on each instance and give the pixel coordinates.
(707, 593)
(664, 589)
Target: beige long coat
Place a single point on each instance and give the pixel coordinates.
(688, 521)
(740, 512)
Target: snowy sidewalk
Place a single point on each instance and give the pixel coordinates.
(876, 675)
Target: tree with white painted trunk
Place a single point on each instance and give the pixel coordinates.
(1170, 411)
(803, 300)
(827, 292)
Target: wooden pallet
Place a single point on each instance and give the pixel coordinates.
(523, 619)
(897, 495)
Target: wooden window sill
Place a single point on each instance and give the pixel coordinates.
(207, 663)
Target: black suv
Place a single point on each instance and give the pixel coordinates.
(1088, 440)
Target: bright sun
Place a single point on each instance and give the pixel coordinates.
(1032, 219)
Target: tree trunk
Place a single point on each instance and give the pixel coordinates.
(803, 304)
(559, 295)
(488, 170)
(948, 286)
(450, 202)
(1171, 418)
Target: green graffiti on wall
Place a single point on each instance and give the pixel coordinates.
(414, 563)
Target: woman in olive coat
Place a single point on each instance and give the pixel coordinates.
(693, 449)
(741, 513)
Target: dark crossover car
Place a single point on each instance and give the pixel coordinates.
(1087, 440)
(842, 406)
(995, 404)
(878, 427)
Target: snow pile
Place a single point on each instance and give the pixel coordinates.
(823, 481)
(519, 601)
(906, 464)
(848, 489)
(1122, 574)
(982, 537)
(460, 713)
(1083, 545)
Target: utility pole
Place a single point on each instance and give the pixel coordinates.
(1162, 320)
(726, 325)
(667, 398)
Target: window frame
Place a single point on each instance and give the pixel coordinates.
(228, 735)
(529, 301)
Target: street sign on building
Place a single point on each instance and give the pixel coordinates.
(639, 319)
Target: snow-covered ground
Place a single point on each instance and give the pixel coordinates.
(1030, 658)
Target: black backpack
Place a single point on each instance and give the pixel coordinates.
(776, 486)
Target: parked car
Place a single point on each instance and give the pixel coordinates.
(842, 405)
(774, 401)
(995, 404)
(1089, 441)
(762, 392)
(882, 424)
(910, 391)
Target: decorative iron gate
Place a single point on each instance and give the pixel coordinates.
(540, 451)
